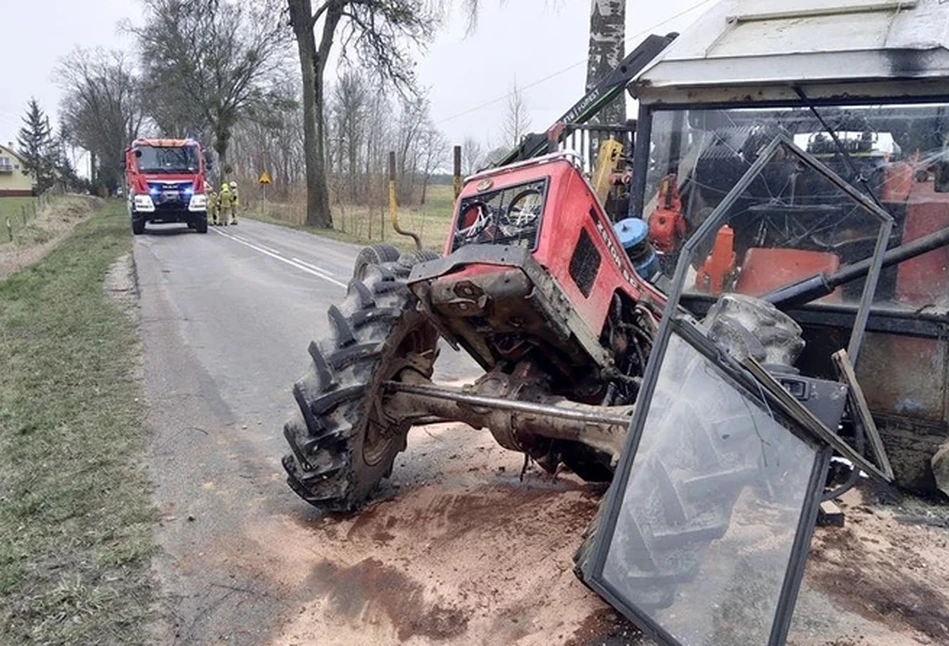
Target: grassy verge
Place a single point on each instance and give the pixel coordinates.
(75, 516)
(12, 210)
(370, 225)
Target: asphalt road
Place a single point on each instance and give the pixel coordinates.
(226, 321)
(459, 550)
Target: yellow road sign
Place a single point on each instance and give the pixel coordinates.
(264, 178)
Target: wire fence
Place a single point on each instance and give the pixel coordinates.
(18, 212)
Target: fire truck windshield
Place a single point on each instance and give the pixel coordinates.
(167, 160)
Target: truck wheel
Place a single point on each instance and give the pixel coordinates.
(341, 443)
(377, 254)
(138, 226)
(201, 224)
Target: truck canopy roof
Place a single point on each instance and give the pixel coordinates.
(760, 50)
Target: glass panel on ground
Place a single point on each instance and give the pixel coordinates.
(707, 521)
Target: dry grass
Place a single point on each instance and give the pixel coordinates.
(40, 234)
(15, 212)
(75, 516)
(368, 224)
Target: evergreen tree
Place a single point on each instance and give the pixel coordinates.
(37, 147)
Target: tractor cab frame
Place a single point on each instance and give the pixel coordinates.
(872, 104)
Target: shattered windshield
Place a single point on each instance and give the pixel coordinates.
(791, 222)
(152, 159)
(509, 216)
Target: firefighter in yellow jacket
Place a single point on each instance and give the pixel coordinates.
(212, 204)
(225, 204)
(237, 202)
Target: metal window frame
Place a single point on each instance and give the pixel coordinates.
(809, 429)
(686, 329)
(547, 181)
(718, 216)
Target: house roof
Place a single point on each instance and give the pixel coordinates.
(760, 44)
(9, 150)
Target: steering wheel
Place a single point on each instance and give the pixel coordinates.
(524, 208)
(476, 217)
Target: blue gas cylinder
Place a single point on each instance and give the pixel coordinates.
(633, 234)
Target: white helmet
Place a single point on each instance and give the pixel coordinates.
(233, 184)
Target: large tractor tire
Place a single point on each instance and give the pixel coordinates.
(377, 254)
(342, 445)
(667, 537)
(410, 258)
(669, 527)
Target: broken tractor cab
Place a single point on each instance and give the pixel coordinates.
(766, 285)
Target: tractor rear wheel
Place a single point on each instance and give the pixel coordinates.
(342, 444)
(376, 254)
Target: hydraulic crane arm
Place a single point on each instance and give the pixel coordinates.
(609, 87)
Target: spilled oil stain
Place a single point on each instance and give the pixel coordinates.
(880, 592)
(370, 584)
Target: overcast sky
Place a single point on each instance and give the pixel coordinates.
(520, 41)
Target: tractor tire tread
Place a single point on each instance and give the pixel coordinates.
(326, 465)
(669, 549)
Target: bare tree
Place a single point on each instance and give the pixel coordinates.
(413, 121)
(350, 103)
(269, 140)
(516, 120)
(433, 147)
(217, 56)
(607, 44)
(472, 155)
(101, 108)
(377, 33)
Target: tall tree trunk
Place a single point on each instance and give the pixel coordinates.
(312, 64)
(221, 139)
(607, 48)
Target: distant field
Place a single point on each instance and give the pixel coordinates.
(364, 224)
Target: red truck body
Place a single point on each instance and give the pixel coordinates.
(165, 181)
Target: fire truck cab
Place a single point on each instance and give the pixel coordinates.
(165, 181)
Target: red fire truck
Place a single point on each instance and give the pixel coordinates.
(165, 183)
